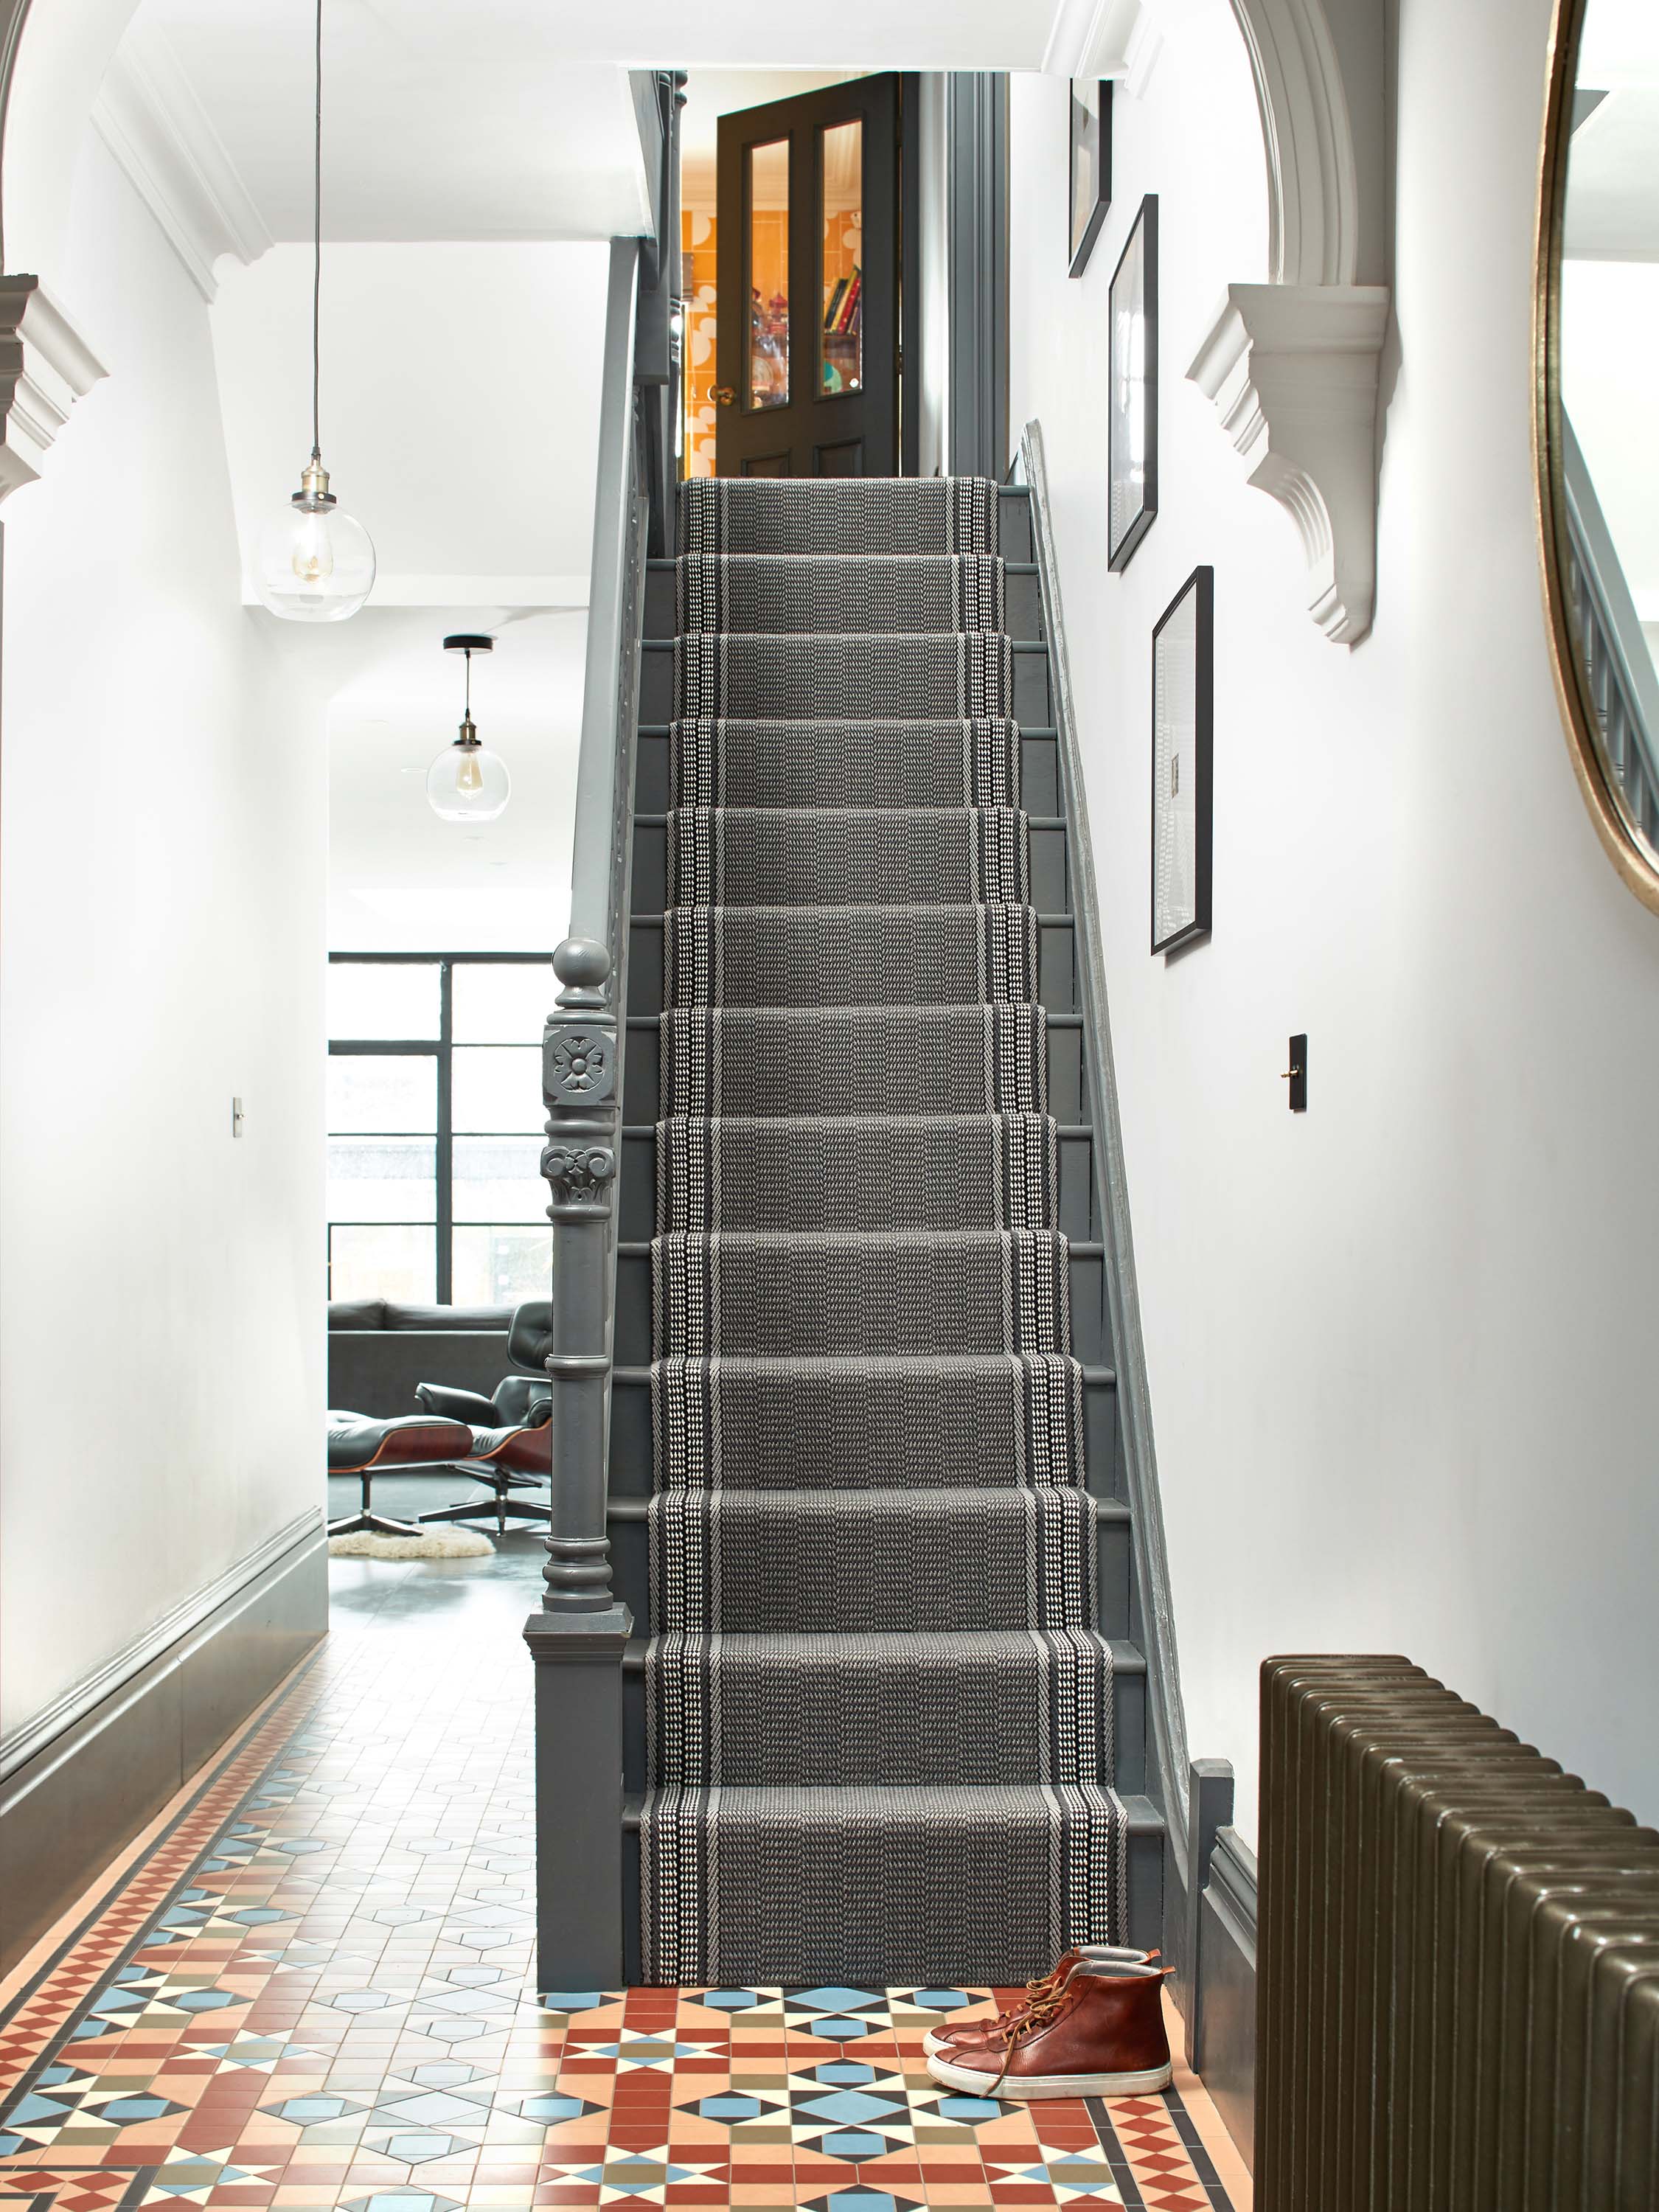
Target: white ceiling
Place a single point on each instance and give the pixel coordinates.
(477, 122)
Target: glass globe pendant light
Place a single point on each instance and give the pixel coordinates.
(314, 564)
(467, 782)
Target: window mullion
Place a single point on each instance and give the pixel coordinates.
(446, 1191)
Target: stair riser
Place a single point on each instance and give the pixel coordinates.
(1075, 1215)
(840, 1967)
(632, 1447)
(797, 1717)
(1050, 890)
(1038, 792)
(1114, 1572)
(1022, 608)
(1090, 1337)
(1056, 976)
(644, 1097)
(1029, 702)
(910, 1296)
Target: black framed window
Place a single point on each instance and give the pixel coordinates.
(434, 1123)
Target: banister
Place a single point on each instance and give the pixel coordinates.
(601, 764)
(578, 1637)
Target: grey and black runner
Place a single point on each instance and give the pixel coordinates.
(878, 1707)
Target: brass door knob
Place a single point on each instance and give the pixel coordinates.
(723, 395)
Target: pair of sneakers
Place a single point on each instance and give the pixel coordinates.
(1092, 2027)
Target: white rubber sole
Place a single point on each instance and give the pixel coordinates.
(1024, 2088)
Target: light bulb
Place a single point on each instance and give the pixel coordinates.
(467, 782)
(313, 553)
(314, 564)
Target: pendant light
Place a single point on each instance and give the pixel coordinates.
(467, 782)
(314, 564)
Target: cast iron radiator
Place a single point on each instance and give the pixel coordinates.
(1458, 1959)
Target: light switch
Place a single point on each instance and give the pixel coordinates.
(1296, 1074)
(237, 1117)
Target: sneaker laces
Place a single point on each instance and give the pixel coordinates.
(1037, 2016)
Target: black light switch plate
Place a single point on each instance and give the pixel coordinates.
(1296, 1074)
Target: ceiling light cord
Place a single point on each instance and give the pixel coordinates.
(316, 254)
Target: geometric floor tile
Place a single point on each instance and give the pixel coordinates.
(282, 2005)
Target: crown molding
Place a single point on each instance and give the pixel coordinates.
(1092, 38)
(1292, 370)
(45, 366)
(148, 116)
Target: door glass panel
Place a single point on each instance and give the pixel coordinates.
(769, 274)
(382, 1093)
(502, 1002)
(382, 999)
(382, 1261)
(499, 1179)
(840, 192)
(496, 1266)
(497, 1087)
(382, 1179)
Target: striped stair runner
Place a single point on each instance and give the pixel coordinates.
(878, 1708)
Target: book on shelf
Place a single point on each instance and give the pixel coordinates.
(849, 306)
(834, 307)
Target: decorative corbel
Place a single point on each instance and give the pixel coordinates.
(45, 366)
(1292, 369)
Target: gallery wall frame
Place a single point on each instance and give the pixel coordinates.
(1131, 398)
(1183, 753)
(1088, 167)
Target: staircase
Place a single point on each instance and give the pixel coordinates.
(887, 1725)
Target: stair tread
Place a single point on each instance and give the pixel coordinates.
(1127, 1658)
(1141, 1816)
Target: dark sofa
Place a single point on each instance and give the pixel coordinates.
(379, 1351)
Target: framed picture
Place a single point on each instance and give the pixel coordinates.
(1183, 706)
(1090, 168)
(1131, 413)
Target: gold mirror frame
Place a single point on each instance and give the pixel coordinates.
(1572, 689)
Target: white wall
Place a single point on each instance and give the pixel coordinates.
(162, 850)
(1400, 1348)
(460, 408)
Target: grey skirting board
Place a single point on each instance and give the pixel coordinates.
(76, 1799)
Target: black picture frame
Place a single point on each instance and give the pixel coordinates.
(1132, 396)
(1088, 167)
(1183, 748)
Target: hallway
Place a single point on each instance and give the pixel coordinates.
(308, 1989)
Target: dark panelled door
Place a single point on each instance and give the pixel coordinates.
(806, 268)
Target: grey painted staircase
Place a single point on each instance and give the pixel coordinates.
(884, 1713)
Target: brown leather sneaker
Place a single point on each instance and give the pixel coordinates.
(1101, 2035)
(990, 2031)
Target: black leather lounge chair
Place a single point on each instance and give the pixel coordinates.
(365, 1447)
(511, 1442)
(529, 1340)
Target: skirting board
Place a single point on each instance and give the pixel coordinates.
(80, 1799)
(1222, 2033)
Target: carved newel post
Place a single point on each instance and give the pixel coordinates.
(578, 1638)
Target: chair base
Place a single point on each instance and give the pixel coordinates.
(378, 1524)
(475, 1509)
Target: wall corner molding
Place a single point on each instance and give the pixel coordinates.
(1293, 372)
(148, 116)
(45, 366)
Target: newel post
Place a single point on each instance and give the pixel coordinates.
(578, 1638)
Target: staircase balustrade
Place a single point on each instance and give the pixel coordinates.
(578, 1637)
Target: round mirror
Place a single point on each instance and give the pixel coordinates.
(1596, 429)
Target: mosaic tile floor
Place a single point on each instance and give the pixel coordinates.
(310, 1990)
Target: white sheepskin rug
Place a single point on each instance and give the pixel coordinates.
(451, 1543)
